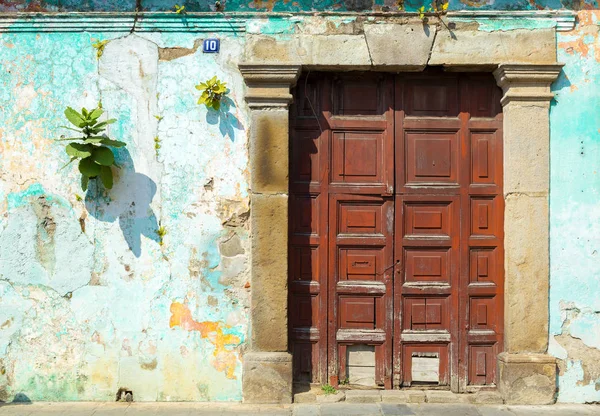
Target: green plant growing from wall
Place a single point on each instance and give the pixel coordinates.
(179, 9)
(328, 389)
(99, 46)
(212, 92)
(157, 145)
(92, 149)
(161, 232)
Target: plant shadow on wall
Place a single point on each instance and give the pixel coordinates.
(129, 197)
(128, 201)
(219, 106)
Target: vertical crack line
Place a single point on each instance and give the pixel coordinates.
(368, 49)
(432, 45)
(138, 9)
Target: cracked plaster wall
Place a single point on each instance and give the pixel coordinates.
(89, 299)
(575, 213)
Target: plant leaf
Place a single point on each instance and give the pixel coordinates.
(103, 156)
(74, 117)
(84, 182)
(216, 105)
(71, 128)
(84, 112)
(113, 143)
(106, 176)
(68, 163)
(79, 150)
(104, 123)
(96, 113)
(89, 168)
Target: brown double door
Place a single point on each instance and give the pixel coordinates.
(396, 229)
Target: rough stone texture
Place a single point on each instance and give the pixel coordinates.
(331, 398)
(527, 378)
(268, 221)
(485, 397)
(526, 223)
(444, 396)
(465, 46)
(267, 377)
(269, 151)
(315, 51)
(526, 147)
(399, 46)
(403, 396)
(363, 396)
(305, 397)
(526, 273)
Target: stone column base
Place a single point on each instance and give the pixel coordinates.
(527, 378)
(267, 377)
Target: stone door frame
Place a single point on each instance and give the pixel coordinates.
(526, 374)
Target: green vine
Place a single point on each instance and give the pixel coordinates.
(95, 158)
(212, 92)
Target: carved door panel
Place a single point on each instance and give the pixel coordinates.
(361, 229)
(448, 230)
(396, 229)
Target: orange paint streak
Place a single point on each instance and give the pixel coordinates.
(586, 26)
(225, 360)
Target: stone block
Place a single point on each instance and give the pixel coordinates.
(526, 147)
(403, 396)
(315, 51)
(444, 396)
(389, 409)
(399, 46)
(305, 397)
(485, 397)
(306, 410)
(350, 409)
(394, 396)
(269, 151)
(526, 267)
(466, 46)
(267, 377)
(363, 396)
(331, 398)
(527, 378)
(268, 219)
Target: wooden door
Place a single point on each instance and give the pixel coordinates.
(396, 229)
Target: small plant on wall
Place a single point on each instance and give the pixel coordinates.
(212, 92)
(93, 148)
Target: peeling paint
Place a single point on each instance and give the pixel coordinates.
(575, 213)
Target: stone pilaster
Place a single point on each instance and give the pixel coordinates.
(267, 366)
(526, 373)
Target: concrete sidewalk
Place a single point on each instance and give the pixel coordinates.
(333, 409)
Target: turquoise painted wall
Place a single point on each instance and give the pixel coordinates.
(90, 300)
(575, 213)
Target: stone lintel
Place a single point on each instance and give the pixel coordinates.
(527, 378)
(269, 84)
(527, 83)
(267, 377)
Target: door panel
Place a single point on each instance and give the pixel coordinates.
(396, 229)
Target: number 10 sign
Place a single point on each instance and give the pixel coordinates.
(210, 46)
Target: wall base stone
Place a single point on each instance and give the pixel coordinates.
(527, 378)
(267, 377)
